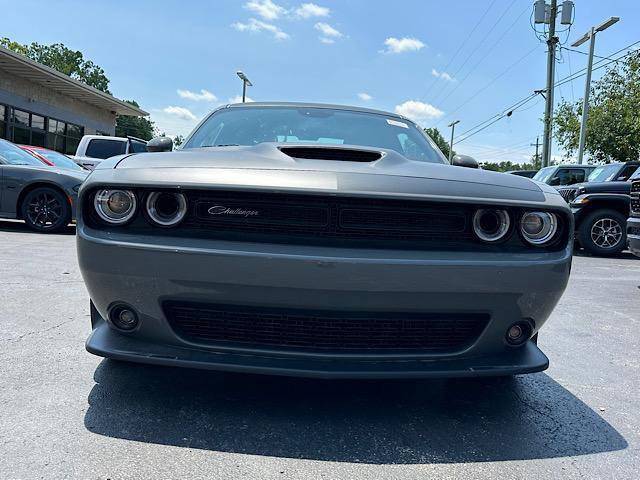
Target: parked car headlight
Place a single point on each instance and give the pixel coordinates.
(538, 228)
(115, 206)
(166, 208)
(491, 225)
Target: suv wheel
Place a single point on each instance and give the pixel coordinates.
(45, 209)
(603, 233)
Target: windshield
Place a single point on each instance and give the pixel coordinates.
(544, 174)
(254, 125)
(13, 155)
(604, 173)
(60, 160)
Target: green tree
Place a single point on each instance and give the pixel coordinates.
(613, 126)
(178, 140)
(140, 127)
(67, 61)
(439, 140)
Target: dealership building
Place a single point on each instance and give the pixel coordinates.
(41, 106)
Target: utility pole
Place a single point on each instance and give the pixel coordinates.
(453, 127)
(537, 145)
(587, 86)
(552, 41)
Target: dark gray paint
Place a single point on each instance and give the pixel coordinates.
(66, 412)
(14, 179)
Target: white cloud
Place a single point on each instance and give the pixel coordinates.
(180, 112)
(327, 30)
(238, 99)
(255, 26)
(442, 75)
(203, 96)
(329, 34)
(266, 9)
(308, 10)
(418, 111)
(401, 45)
(365, 96)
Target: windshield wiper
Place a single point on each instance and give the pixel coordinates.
(222, 145)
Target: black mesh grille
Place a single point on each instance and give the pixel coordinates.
(340, 154)
(323, 331)
(569, 194)
(325, 217)
(635, 205)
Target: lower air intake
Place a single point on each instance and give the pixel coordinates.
(324, 331)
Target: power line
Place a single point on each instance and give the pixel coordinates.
(462, 44)
(479, 44)
(509, 110)
(504, 72)
(486, 54)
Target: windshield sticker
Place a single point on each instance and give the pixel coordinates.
(396, 123)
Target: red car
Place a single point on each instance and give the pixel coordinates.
(51, 157)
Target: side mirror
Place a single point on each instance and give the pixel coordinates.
(160, 144)
(465, 161)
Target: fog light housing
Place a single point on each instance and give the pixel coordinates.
(123, 318)
(518, 333)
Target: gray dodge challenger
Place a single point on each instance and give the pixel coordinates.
(321, 241)
(44, 197)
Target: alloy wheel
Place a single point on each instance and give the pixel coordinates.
(606, 233)
(44, 210)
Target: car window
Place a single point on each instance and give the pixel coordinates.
(104, 148)
(60, 160)
(604, 173)
(137, 146)
(626, 172)
(312, 125)
(13, 155)
(544, 174)
(568, 176)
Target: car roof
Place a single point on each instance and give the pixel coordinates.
(315, 105)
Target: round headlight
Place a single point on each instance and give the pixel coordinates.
(166, 208)
(491, 225)
(115, 206)
(538, 227)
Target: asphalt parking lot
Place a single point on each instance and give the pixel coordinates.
(68, 414)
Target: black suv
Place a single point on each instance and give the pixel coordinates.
(601, 207)
(633, 222)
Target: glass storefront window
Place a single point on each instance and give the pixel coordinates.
(37, 121)
(19, 117)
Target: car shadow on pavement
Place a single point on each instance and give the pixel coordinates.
(21, 227)
(379, 422)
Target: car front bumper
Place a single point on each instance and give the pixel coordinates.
(145, 272)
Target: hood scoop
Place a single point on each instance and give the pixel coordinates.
(332, 153)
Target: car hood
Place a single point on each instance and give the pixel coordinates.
(266, 166)
(602, 187)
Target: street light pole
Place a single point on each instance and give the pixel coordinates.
(591, 35)
(453, 127)
(245, 83)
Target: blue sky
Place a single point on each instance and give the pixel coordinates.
(436, 61)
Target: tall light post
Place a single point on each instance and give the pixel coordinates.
(245, 83)
(453, 127)
(587, 86)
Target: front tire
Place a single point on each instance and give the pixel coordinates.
(603, 233)
(45, 209)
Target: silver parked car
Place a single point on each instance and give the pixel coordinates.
(43, 196)
(319, 240)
